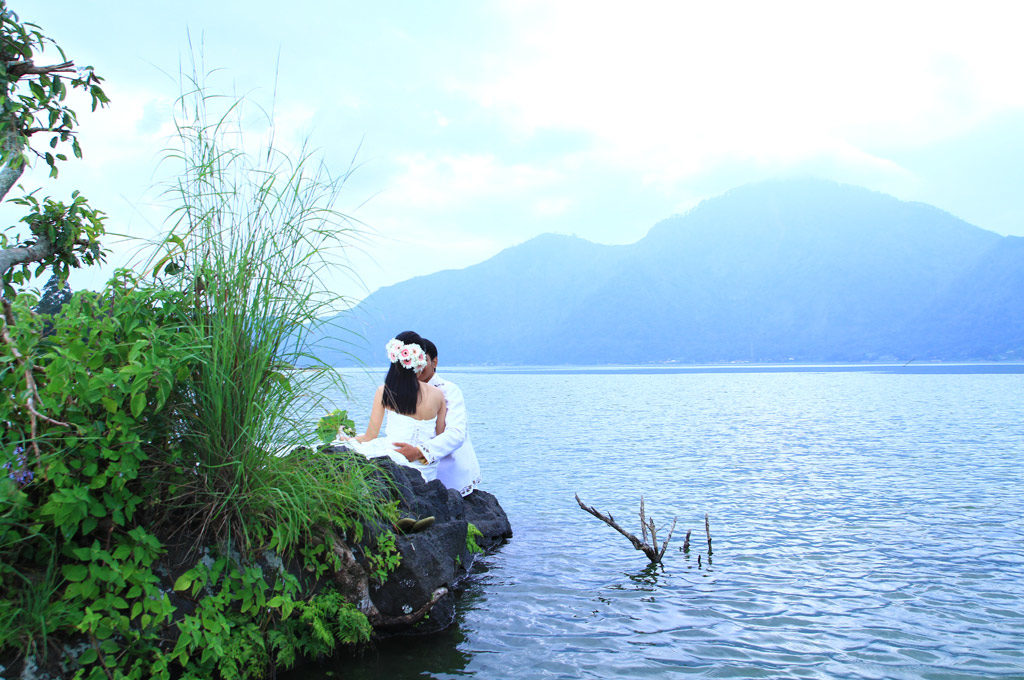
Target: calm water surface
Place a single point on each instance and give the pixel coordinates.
(865, 524)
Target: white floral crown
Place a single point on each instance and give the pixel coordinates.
(409, 356)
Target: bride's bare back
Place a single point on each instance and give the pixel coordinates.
(429, 404)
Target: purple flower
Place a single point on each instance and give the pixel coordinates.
(19, 471)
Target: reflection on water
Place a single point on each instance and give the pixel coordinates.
(647, 578)
(866, 524)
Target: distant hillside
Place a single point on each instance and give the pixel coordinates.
(803, 270)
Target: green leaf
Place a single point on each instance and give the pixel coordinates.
(184, 581)
(138, 404)
(75, 572)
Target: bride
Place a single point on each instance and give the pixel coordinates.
(415, 410)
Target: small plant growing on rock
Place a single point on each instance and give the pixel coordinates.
(472, 533)
(385, 559)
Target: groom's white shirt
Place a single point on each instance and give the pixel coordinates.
(457, 465)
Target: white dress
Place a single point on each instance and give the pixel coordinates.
(400, 428)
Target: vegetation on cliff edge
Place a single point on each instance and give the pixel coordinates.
(142, 424)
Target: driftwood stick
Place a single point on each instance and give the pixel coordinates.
(643, 520)
(707, 528)
(647, 523)
(686, 542)
(610, 521)
(664, 546)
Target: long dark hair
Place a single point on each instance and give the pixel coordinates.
(401, 386)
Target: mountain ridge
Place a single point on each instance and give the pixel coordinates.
(778, 270)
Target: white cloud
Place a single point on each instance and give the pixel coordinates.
(550, 207)
(438, 183)
(671, 88)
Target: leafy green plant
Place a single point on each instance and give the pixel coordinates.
(335, 422)
(325, 621)
(39, 612)
(472, 533)
(152, 416)
(385, 559)
(94, 491)
(103, 381)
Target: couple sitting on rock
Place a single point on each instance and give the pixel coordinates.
(426, 418)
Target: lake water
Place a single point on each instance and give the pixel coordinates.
(867, 522)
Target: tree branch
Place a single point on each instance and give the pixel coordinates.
(28, 68)
(12, 257)
(9, 175)
(31, 131)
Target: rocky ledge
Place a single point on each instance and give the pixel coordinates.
(434, 560)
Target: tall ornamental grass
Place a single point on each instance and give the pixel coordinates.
(255, 235)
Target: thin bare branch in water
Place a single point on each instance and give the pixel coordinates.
(664, 546)
(643, 520)
(610, 521)
(707, 528)
(651, 551)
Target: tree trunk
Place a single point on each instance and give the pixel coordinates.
(9, 175)
(12, 149)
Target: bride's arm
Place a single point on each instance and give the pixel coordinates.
(441, 413)
(376, 417)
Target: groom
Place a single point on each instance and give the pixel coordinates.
(457, 465)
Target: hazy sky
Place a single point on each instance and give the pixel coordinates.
(482, 124)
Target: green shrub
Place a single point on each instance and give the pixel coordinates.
(151, 418)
